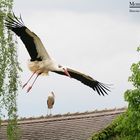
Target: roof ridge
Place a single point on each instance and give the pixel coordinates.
(70, 116)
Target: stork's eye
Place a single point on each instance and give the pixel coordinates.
(59, 66)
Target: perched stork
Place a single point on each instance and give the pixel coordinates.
(50, 101)
(41, 62)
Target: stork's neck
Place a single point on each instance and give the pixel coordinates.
(52, 94)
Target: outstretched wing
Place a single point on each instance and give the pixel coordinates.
(31, 41)
(100, 88)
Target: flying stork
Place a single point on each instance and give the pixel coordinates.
(42, 63)
(50, 101)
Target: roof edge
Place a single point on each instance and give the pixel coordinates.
(69, 116)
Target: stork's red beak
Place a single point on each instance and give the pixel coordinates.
(66, 72)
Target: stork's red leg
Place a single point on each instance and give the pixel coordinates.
(33, 83)
(28, 80)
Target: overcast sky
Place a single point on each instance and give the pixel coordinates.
(98, 38)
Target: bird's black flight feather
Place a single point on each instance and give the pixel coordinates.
(18, 27)
(87, 80)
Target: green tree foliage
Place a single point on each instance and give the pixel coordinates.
(126, 126)
(9, 79)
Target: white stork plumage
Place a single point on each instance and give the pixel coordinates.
(50, 101)
(41, 62)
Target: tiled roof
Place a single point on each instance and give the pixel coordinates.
(79, 126)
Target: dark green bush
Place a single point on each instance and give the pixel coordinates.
(126, 126)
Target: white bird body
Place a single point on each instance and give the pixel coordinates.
(41, 62)
(42, 67)
(50, 101)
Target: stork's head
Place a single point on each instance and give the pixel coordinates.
(64, 69)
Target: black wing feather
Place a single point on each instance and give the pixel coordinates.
(18, 27)
(100, 88)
